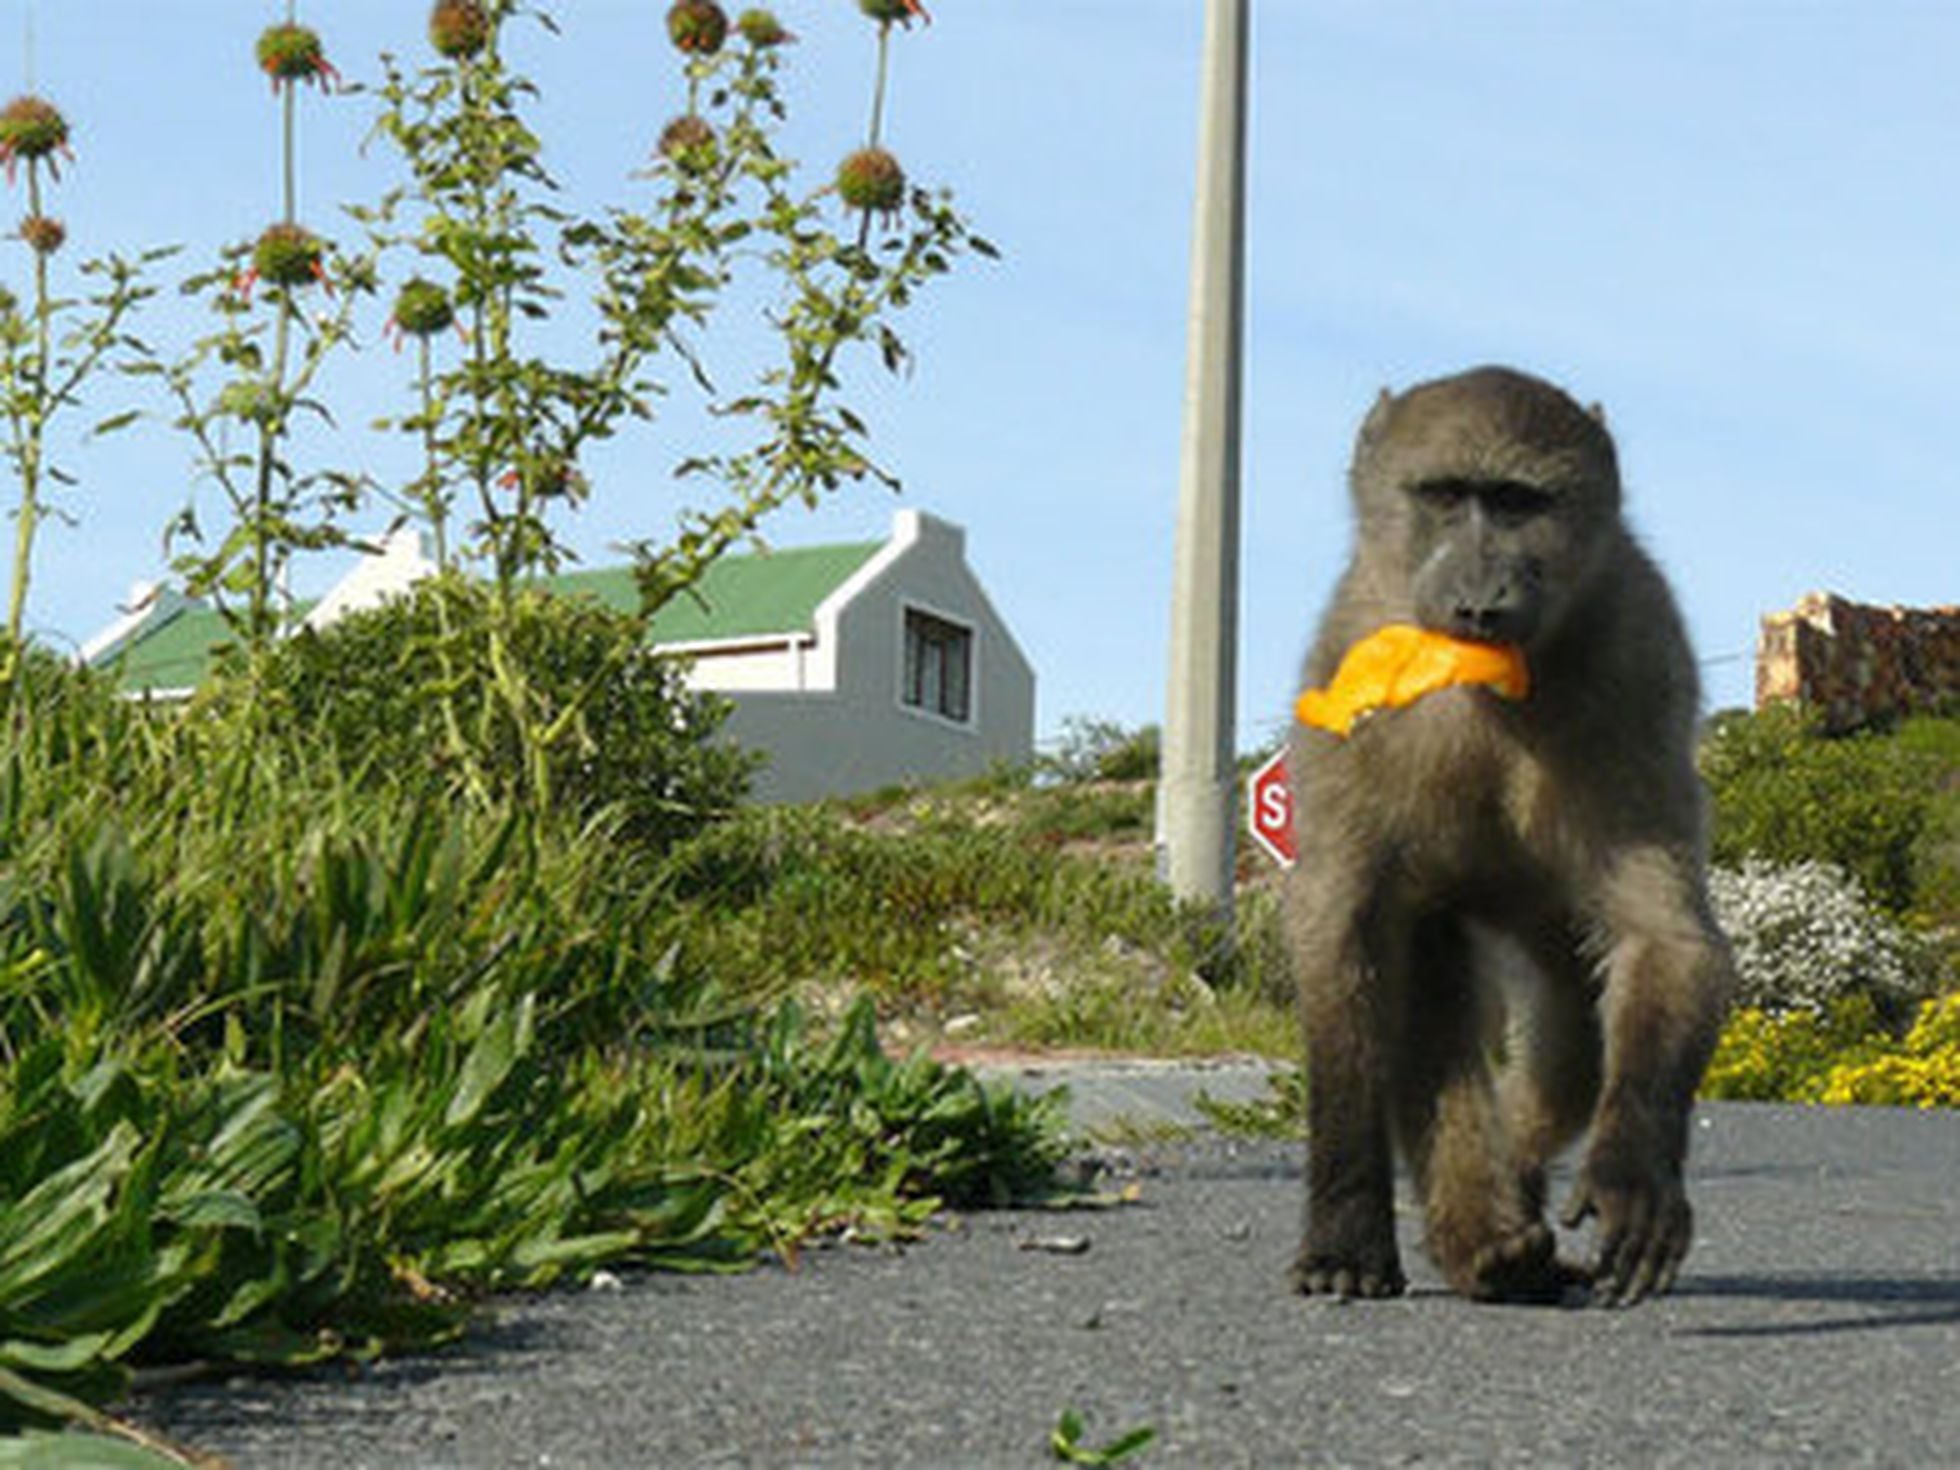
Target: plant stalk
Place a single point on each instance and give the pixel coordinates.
(878, 88)
(34, 418)
(289, 182)
(432, 482)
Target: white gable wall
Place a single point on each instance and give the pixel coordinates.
(402, 560)
(862, 735)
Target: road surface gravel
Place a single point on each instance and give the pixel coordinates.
(1817, 1322)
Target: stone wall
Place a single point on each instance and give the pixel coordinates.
(1855, 664)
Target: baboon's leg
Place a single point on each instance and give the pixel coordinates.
(1486, 1235)
(1550, 1083)
(1349, 973)
(1668, 979)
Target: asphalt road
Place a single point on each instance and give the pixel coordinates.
(1816, 1322)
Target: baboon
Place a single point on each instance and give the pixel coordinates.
(1499, 916)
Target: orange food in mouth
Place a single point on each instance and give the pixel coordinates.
(1398, 664)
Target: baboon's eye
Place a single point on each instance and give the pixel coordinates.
(1442, 494)
(1500, 500)
(1514, 500)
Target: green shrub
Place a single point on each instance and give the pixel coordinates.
(1103, 750)
(397, 688)
(933, 910)
(796, 894)
(1935, 740)
(1786, 794)
(1079, 811)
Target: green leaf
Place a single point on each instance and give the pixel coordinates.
(1067, 1435)
(1065, 1443)
(70, 1356)
(117, 421)
(219, 1210)
(49, 1402)
(41, 1451)
(45, 1229)
(505, 1038)
(1126, 1445)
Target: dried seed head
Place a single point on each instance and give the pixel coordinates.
(871, 179)
(289, 255)
(31, 128)
(423, 308)
(43, 233)
(459, 29)
(689, 141)
(293, 53)
(887, 11)
(697, 27)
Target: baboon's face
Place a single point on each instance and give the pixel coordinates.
(1485, 498)
(1479, 554)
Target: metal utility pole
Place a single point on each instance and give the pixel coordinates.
(1197, 798)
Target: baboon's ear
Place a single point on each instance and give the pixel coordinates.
(1377, 420)
(1597, 413)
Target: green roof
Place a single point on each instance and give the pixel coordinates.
(754, 596)
(767, 592)
(171, 652)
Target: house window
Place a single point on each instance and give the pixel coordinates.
(938, 666)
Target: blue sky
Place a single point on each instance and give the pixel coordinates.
(1736, 225)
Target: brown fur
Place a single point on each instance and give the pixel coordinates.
(1478, 875)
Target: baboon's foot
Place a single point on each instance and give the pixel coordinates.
(1521, 1265)
(1373, 1271)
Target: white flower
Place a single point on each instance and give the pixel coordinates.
(1804, 935)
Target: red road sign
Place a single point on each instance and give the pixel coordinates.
(1269, 810)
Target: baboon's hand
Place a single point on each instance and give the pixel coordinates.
(1645, 1225)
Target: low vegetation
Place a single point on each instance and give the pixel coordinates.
(996, 913)
(1841, 1054)
(299, 1056)
(1840, 886)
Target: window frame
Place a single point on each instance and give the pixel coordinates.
(949, 636)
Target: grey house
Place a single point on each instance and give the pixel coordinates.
(894, 667)
(851, 666)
